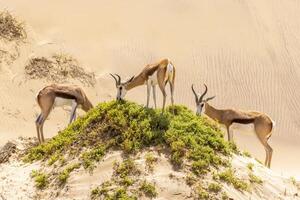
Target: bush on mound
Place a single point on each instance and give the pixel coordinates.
(10, 28)
(58, 68)
(131, 127)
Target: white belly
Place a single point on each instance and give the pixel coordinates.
(60, 102)
(152, 80)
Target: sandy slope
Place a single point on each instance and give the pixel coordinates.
(169, 183)
(246, 51)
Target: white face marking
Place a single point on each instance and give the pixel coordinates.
(199, 108)
(121, 92)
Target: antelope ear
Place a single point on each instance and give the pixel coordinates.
(209, 98)
(130, 79)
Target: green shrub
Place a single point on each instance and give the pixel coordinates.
(127, 126)
(224, 196)
(200, 167)
(98, 192)
(40, 179)
(53, 159)
(190, 179)
(214, 187)
(255, 179)
(293, 180)
(246, 153)
(148, 189)
(131, 127)
(121, 194)
(250, 166)
(150, 161)
(65, 174)
(202, 193)
(94, 155)
(229, 177)
(126, 181)
(126, 168)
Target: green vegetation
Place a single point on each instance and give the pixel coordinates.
(224, 196)
(40, 179)
(190, 179)
(119, 193)
(101, 190)
(254, 179)
(214, 187)
(193, 142)
(229, 177)
(91, 156)
(65, 174)
(202, 193)
(258, 161)
(150, 161)
(148, 189)
(125, 175)
(130, 127)
(293, 180)
(246, 153)
(250, 166)
(126, 168)
(53, 159)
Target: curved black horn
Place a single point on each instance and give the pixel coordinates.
(204, 93)
(114, 78)
(196, 96)
(119, 78)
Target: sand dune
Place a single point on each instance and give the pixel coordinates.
(246, 51)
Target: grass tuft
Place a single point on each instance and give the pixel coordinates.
(214, 187)
(255, 179)
(150, 161)
(229, 177)
(148, 189)
(40, 179)
(65, 174)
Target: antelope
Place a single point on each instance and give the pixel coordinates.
(58, 96)
(263, 124)
(159, 74)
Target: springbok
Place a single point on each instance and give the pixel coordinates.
(159, 73)
(57, 96)
(263, 124)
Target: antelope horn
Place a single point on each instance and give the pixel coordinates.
(114, 78)
(196, 96)
(119, 78)
(204, 93)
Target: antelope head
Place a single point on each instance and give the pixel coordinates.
(121, 87)
(200, 100)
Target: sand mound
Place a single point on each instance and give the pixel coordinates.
(137, 153)
(10, 28)
(59, 68)
(12, 32)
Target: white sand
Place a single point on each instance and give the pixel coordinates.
(246, 51)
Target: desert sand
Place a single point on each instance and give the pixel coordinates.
(169, 183)
(247, 52)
